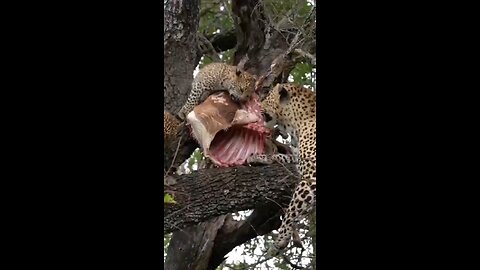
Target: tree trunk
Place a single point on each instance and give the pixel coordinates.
(181, 20)
(180, 59)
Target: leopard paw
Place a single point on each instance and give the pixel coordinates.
(258, 159)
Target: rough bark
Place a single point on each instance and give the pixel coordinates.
(196, 241)
(213, 192)
(181, 20)
(257, 44)
(178, 150)
(234, 233)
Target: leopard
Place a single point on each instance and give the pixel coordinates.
(171, 126)
(215, 77)
(292, 108)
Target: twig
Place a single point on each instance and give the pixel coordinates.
(291, 173)
(274, 202)
(202, 40)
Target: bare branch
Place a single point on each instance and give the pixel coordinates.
(310, 57)
(206, 47)
(285, 62)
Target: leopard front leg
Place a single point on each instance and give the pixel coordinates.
(269, 159)
(300, 205)
(187, 107)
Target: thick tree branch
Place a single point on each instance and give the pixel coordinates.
(263, 48)
(214, 192)
(251, 25)
(234, 233)
(180, 28)
(196, 241)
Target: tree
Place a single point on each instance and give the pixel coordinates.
(274, 40)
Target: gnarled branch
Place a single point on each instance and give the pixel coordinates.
(213, 192)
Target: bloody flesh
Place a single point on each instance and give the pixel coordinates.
(227, 132)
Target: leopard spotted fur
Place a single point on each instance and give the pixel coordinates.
(293, 108)
(216, 77)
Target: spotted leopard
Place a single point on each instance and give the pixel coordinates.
(215, 77)
(170, 127)
(293, 108)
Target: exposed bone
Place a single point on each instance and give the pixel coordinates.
(245, 127)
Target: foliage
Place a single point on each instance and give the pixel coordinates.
(304, 74)
(296, 10)
(215, 17)
(226, 57)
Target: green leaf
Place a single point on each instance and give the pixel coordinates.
(197, 155)
(168, 199)
(206, 60)
(300, 72)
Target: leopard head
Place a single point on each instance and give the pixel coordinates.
(246, 84)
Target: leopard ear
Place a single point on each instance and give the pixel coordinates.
(238, 71)
(284, 96)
